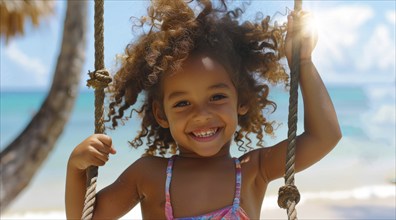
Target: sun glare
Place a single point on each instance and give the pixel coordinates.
(311, 25)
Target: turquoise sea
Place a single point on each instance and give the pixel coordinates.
(17, 107)
(364, 157)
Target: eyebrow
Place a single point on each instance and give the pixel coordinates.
(219, 86)
(212, 87)
(176, 94)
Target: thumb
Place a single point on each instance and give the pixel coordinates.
(290, 25)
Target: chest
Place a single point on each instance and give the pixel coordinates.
(202, 191)
(196, 190)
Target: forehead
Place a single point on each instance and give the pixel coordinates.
(199, 71)
(200, 63)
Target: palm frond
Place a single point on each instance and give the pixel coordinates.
(15, 13)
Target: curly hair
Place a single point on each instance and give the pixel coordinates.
(250, 52)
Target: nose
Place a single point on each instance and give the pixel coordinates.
(202, 114)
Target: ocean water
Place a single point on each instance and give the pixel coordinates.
(364, 158)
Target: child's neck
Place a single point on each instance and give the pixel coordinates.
(224, 152)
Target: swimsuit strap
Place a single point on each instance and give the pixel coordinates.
(238, 183)
(168, 205)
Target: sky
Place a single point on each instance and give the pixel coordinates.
(356, 42)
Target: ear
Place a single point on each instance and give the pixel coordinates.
(159, 114)
(242, 109)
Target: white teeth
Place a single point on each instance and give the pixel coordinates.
(206, 133)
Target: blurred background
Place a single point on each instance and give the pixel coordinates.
(355, 56)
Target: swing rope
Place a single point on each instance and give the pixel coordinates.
(288, 194)
(100, 78)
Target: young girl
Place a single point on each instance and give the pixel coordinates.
(204, 76)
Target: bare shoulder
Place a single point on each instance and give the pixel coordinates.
(251, 164)
(133, 186)
(146, 165)
(148, 173)
(151, 161)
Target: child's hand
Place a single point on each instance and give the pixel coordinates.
(309, 36)
(93, 151)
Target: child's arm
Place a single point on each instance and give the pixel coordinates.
(112, 202)
(322, 131)
(75, 192)
(93, 151)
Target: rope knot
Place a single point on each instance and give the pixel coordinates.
(288, 193)
(99, 79)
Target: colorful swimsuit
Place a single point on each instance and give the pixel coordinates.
(233, 211)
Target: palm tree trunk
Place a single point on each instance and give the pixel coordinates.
(24, 156)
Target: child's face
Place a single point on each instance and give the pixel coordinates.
(200, 106)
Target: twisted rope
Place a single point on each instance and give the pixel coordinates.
(99, 80)
(288, 194)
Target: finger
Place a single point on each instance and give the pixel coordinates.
(99, 146)
(112, 150)
(299, 14)
(108, 149)
(97, 162)
(305, 13)
(290, 24)
(310, 27)
(105, 148)
(100, 155)
(104, 158)
(306, 17)
(108, 142)
(105, 139)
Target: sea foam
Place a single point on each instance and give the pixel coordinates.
(360, 193)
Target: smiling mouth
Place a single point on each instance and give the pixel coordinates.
(205, 134)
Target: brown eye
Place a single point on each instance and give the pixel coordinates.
(218, 97)
(181, 104)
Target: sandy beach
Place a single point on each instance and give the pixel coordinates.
(375, 205)
(338, 192)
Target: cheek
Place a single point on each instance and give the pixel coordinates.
(230, 116)
(176, 126)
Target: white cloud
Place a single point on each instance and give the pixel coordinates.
(385, 114)
(32, 65)
(391, 17)
(338, 77)
(355, 47)
(384, 93)
(379, 51)
(339, 30)
(380, 121)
